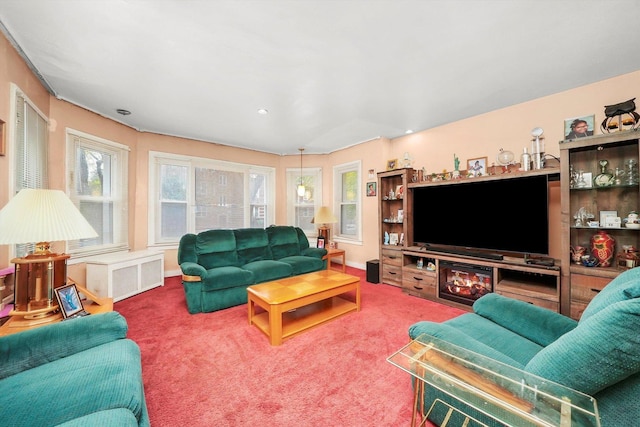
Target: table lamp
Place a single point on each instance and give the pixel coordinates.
(324, 217)
(40, 216)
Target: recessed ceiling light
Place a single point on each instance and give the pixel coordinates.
(123, 111)
(263, 111)
(408, 131)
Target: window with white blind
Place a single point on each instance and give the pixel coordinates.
(30, 148)
(346, 190)
(190, 195)
(97, 185)
(302, 209)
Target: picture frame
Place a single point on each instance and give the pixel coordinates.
(393, 238)
(320, 243)
(399, 192)
(588, 179)
(574, 127)
(69, 300)
(400, 215)
(372, 189)
(477, 166)
(606, 218)
(392, 164)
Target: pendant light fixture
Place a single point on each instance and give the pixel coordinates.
(301, 189)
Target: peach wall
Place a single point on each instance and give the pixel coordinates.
(479, 136)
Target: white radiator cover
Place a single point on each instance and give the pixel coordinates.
(122, 275)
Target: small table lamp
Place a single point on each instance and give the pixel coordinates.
(324, 217)
(42, 216)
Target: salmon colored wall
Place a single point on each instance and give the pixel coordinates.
(479, 136)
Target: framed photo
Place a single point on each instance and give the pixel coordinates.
(393, 238)
(372, 173)
(400, 215)
(400, 192)
(588, 179)
(69, 300)
(392, 164)
(320, 243)
(372, 188)
(579, 127)
(477, 166)
(607, 218)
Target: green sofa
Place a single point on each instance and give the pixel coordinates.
(599, 355)
(80, 372)
(218, 265)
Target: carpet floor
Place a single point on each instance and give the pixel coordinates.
(214, 369)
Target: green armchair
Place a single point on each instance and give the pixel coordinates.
(598, 356)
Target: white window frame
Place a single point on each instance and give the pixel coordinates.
(293, 179)
(157, 158)
(338, 170)
(119, 189)
(34, 167)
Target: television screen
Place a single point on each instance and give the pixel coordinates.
(502, 215)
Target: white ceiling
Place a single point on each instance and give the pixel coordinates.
(331, 73)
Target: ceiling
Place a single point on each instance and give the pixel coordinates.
(330, 73)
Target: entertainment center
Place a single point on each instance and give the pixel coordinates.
(457, 240)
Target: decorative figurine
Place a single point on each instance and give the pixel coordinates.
(386, 238)
(626, 114)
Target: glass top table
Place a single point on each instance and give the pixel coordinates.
(494, 389)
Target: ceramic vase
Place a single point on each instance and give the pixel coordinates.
(603, 248)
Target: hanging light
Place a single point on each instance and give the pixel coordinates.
(301, 189)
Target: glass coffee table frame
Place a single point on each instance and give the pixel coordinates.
(494, 389)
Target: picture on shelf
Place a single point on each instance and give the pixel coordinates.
(371, 189)
(400, 192)
(392, 164)
(400, 215)
(579, 127)
(69, 300)
(477, 167)
(393, 238)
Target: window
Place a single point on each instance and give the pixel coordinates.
(190, 195)
(302, 209)
(31, 150)
(347, 185)
(97, 185)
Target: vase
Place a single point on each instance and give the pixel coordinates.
(603, 248)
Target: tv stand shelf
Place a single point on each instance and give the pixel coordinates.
(512, 277)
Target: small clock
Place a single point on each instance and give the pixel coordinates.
(604, 178)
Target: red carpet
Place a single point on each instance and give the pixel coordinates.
(213, 369)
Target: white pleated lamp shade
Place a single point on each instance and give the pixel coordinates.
(37, 215)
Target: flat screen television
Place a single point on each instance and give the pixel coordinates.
(504, 216)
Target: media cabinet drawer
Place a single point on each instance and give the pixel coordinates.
(540, 302)
(391, 257)
(584, 288)
(577, 308)
(391, 275)
(418, 280)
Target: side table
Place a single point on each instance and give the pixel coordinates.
(331, 253)
(468, 381)
(93, 305)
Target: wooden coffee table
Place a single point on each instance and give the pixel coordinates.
(295, 304)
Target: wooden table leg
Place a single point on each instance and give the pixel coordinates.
(275, 325)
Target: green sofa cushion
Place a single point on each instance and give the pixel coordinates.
(39, 346)
(601, 351)
(537, 324)
(216, 248)
(252, 244)
(226, 277)
(267, 270)
(118, 417)
(463, 334)
(625, 286)
(283, 241)
(303, 264)
(103, 377)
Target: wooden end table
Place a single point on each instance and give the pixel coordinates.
(295, 304)
(331, 253)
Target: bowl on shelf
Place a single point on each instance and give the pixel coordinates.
(633, 225)
(589, 261)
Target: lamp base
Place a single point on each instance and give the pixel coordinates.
(21, 319)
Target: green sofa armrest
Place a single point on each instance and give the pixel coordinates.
(314, 252)
(537, 324)
(26, 350)
(193, 269)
